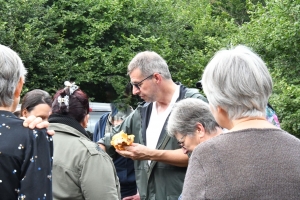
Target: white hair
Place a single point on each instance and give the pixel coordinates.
(11, 70)
(238, 81)
(187, 113)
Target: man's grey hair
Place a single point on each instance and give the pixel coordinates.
(149, 63)
(11, 70)
(187, 113)
(238, 81)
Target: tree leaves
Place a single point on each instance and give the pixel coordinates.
(94, 40)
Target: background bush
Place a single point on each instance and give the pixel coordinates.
(92, 41)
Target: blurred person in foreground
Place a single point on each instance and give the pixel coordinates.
(124, 166)
(36, 102)
(25, 154)
(81, 170)
(254, 159)
(160, 165)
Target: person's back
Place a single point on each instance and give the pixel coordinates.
(24, 160)
(254, 159)
(25, 154)
(81, 170)
(246, 164)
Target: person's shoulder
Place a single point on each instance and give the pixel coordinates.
(141, 107)
(91, 147)
(284, 135)
(194, 93)
(143, 104)
(214, 141)
(15, 125)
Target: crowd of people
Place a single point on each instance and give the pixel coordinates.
(187, 146)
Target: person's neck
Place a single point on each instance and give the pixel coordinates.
(166, 95)
(250, 122)
(6, 109)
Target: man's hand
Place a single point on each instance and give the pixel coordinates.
(136, 152)
(134, 197)
(102, 147)
(36, 122)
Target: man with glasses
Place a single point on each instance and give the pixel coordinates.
(160, 164)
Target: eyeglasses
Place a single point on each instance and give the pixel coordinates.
(138, 85)
(180, 142)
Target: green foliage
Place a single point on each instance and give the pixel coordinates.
(288, 106)
(273, 33)
(93, 41)
(233, 9)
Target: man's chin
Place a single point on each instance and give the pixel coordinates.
(145, 99)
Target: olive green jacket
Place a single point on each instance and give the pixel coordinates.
(81, 170)
(159, 181)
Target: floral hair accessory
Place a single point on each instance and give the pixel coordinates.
(72, 86)
(64, 100)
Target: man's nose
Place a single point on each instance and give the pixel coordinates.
(135, 90)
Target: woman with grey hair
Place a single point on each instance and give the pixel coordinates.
(254, 159)
(25, 154)
(192, 123)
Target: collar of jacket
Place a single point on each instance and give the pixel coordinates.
(63, 119)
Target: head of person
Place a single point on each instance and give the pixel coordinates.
(237, 84)
(119, 113)
(12, 78)
(146, 70)
(191, 122)
(36, 102)
(72, 102)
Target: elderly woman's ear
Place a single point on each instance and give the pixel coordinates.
(200, 130)
(17, 94)
(19, 88)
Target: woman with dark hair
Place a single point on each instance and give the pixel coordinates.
(36, 102)
(79, 165)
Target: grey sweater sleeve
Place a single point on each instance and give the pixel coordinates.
(194, 182)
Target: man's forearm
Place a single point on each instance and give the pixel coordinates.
(172, 157)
